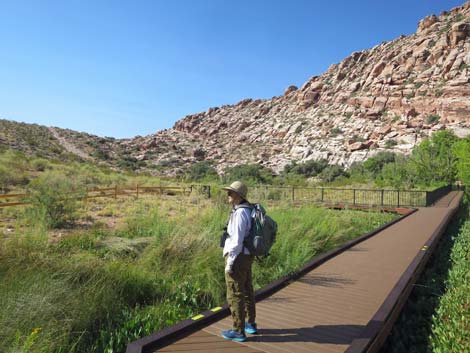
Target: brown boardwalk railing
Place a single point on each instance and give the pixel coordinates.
(344, 303)
(9, 200)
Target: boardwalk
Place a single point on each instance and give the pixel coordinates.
(330, 307)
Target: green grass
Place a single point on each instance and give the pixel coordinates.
(95, 290)
(451, 323)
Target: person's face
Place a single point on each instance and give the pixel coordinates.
(233, 198)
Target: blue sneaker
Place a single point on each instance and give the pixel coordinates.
(252, 329)
(234, 336)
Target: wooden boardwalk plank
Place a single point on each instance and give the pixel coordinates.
(329, 307)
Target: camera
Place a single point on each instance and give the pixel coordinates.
(223, 237)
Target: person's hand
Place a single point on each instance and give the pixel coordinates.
(228, 269)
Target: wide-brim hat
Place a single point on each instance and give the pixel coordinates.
(238, 187)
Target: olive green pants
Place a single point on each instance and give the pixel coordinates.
(240, 294)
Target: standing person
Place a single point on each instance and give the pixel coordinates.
(238, 263)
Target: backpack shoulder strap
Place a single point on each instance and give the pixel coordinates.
(246, 205)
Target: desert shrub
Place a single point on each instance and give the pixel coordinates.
(373, 165)
(390, 143)
(331, 172)
(7, 178)
(14, 168)
(335, 131)
(40, 164)
(199, 153)
(249, 173)
(201, 171)
(56, 197)
(307, 169)
(433, 160)
(396, 174)
(432, 119)
(100, 154)
(130, 163)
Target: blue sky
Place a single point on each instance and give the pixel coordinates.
(127, 68)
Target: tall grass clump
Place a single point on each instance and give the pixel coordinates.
(309, 231)
(451, 323)
(55, 198)
(95, 290)
(64, 295)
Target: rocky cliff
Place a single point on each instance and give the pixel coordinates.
(388, 97)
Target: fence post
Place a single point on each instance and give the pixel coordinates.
(115, 191)
(382, 197)
(354, 196)
(398, 198)
(293, 195)
(208, 191)
(322, 193)
(137, 191)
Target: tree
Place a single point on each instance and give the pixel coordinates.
(332, 172)
(433, 159)
(249, 173)
(374, 165)
(396, 174)
(461, 150)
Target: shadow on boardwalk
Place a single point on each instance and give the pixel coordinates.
(325, 281)
(333, 334)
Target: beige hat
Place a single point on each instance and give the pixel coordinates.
(238, 187)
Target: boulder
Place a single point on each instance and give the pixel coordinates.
(459, 32)
(357, 146)
(290, 89)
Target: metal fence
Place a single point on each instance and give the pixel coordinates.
(360, 197)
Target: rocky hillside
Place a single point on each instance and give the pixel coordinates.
(389, 97)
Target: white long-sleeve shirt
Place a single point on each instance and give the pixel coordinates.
(238, 227)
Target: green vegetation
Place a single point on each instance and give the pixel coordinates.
(436, 317)
(250, 173)
(308, 169)
(390, 143)
(100, 286)
(201, 172)
(335, 131)
(95, 290)
(54, 198)
(432, 119)
(450, 329)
